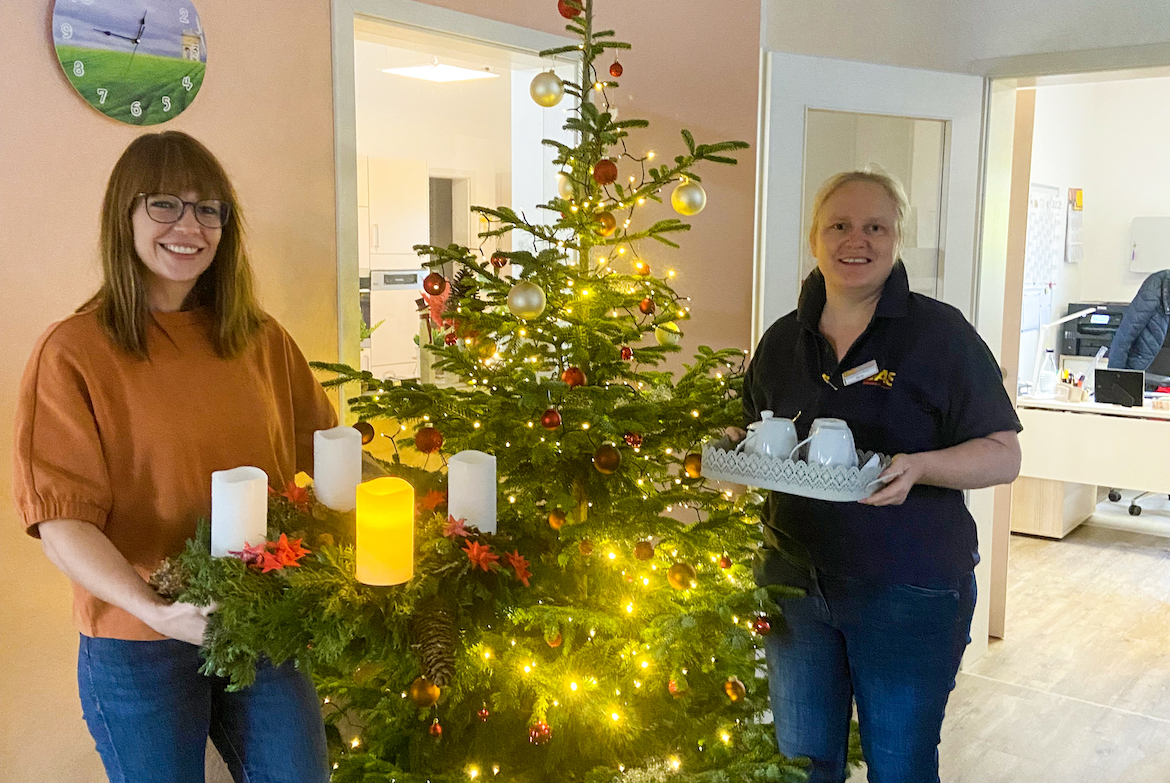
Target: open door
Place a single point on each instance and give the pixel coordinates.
(924, 127)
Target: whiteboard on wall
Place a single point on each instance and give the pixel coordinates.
(1149, 244)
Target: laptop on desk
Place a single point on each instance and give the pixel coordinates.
(1120, 387)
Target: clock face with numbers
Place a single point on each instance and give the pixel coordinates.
(138, 61)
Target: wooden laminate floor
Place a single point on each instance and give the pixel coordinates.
(1079, 691)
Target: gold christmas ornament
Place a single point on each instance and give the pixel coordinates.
(734, 689)
(423, 693)
(565, 187)
(688, 198)
(547, 89)
(693, 465)
(667, 333)
(526, 300)
(682, 576)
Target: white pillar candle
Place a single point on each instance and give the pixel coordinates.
(239, 509)
(337, 467)
(471, 489)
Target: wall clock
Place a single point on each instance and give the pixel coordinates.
(138, 61)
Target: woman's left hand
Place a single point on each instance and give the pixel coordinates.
(904, 472)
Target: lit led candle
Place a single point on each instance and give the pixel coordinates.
(385, 531)
(239, 509)
(337, 467)
(471, 489)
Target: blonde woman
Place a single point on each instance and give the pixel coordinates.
(171, 371)
(890, 581)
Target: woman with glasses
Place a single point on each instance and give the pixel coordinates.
(171, 371)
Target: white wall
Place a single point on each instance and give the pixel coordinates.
(455, 127)
(1110, 139)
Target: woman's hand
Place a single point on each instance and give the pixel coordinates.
(185, 622)
(903, 473)
(735, 434)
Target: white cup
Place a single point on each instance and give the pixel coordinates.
(830, 443)
(770, 437)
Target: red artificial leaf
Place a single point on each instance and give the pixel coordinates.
(298, 496)
(270, 562)
(437, 304)
(287, 552)
(432, 500)
(520, 565)
(455, 527)
(481, 555)
(252, 555)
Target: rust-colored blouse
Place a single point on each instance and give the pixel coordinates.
(129, 445)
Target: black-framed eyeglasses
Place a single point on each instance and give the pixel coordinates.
(165, 208)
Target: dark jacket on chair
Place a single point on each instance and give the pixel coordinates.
(1143, 328)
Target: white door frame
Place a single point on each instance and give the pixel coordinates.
(404, 13)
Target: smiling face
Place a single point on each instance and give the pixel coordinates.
(174, 254)
(855, 239)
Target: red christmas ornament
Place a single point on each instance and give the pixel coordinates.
(675, 689)
(605, 172)
(550, 419)
(627, 353)
(451, 338)
(555, 642)
(761, 626)
(725, 562)
(434, 284)
(633, 440)
(435, 730)
(539, 733)
(367, 431)
(641, 267)
(607, 458)
(574, 376)
(615, 70)
(557, 519)
(567, 10)
(483, 714)
(428, 440)
(499, 260)
(646, 306)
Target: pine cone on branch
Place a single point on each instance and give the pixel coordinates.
(170, 579)
(433, 638)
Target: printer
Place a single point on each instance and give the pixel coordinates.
(1084, 336)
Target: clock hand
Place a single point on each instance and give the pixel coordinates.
(114, 35)
(141, 28)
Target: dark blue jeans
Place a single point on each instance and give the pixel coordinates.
(150, 712)
(895, 649)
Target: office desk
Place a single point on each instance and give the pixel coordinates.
(1069, 449)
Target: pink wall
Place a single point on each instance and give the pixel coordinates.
(266, 110)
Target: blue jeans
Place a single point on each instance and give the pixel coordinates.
(150, 712)
(895, 649)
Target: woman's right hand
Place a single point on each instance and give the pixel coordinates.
(185, 622)
(735, 434)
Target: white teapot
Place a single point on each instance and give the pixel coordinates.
(770, 437)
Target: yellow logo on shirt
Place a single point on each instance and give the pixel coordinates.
(885, 379)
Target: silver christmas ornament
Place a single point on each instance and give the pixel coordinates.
(565, 186)
(547, 89)
(526, 300)
(688, 198)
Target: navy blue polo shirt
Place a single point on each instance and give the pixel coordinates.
(937, 385)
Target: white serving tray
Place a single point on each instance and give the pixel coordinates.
(794, 477)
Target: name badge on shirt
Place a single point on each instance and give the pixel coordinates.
(860, 373)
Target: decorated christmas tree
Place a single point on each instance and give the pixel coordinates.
(604, 624)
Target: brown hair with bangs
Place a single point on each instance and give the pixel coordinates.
(172, 162)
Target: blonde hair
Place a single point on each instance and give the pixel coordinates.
(871, 174)
(172, 162)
